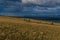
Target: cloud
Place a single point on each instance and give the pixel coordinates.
(10, 6)
(42, 1)
(8, 14)
(38, 9)
(31, 1)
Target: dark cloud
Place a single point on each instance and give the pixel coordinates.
(12, 0)
(10, 6)
(40, 2)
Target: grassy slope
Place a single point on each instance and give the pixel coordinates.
(18, 29)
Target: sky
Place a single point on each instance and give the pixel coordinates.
(8, 7)
(14, 7)
(41, 1)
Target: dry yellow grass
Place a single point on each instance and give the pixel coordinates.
(20, 29)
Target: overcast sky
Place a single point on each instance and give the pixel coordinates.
(15, 6)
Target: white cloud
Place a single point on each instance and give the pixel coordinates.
(41, 1)
(31, 1)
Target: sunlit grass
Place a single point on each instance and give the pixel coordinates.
(20, 29)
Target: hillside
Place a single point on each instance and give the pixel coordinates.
(28, 29)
